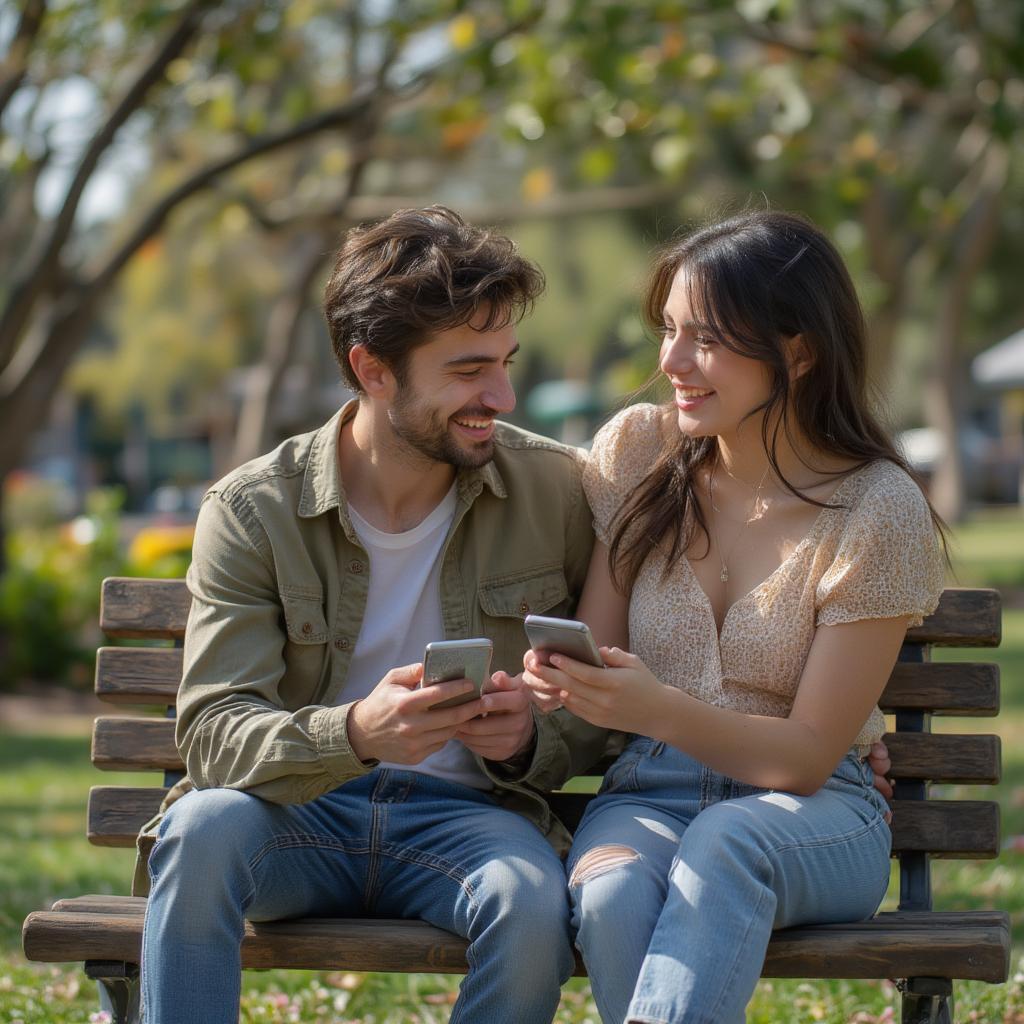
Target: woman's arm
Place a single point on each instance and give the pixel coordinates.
(845, 673)
(603, 608)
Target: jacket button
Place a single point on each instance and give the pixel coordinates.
(355, 566)
(341, 644)
(523, 608)
(307, 628)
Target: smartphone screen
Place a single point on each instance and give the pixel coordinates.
(562, 636)
(458, 659)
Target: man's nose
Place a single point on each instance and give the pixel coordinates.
(499, 395)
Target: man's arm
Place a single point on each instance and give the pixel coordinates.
(233, 729)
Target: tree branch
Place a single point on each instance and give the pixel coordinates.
(365, 104)
(41, 273)
(15, 64)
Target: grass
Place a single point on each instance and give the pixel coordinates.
(44, 781)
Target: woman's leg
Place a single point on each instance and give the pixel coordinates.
(618, 881)
(743, 868)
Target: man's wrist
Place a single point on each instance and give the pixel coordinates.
(523, 757)
(357, 738)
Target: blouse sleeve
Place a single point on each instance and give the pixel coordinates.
(622, 454)
(889, 563)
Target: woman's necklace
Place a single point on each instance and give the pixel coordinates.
(758, 510)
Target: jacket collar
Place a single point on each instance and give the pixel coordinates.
(322, 487)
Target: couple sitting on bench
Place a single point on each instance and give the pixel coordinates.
(760, 552)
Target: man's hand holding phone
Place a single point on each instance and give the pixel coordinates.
(506, 726)
(398, 721)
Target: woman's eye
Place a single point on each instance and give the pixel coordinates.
(704, 341)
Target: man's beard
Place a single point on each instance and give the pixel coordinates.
(426, 433)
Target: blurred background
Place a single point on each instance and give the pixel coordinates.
(174, 177)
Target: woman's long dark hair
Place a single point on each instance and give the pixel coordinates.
(757, 280)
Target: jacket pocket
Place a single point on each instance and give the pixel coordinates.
(521, 595)
(306, 652)
(304, 619)
(506, 600)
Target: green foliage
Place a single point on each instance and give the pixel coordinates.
(50, 594)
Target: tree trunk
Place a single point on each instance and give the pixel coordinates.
(944, 393)
(263, 385)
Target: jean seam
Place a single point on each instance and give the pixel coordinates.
(866, 829)
(302, 839)
(378, 822)
(431, 861)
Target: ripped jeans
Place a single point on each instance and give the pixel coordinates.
(689, 871)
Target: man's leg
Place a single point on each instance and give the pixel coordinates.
(223, 856)
(451, 856)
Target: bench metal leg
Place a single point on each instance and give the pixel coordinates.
(119, 989)
(927, 1001)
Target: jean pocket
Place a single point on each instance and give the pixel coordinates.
(621, 776)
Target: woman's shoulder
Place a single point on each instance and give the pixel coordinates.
(623, 453)
(633, 432)
(884, 485)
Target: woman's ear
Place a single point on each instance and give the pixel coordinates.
(798, 356)
(376, 379)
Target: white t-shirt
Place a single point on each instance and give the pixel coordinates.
(403, 615)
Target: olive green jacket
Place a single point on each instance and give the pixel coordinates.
(279, 582)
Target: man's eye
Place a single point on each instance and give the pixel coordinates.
(468, 374)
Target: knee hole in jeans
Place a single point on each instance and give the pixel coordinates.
(599, 860)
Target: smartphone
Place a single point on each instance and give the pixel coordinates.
(562, 636)
(458, 659)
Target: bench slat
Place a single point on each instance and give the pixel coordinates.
(135, 744)
(945, 757)
(159, 608)
(944, 828)
(127, 744)
(894, 945)
(138, 675)
(943, 688)
(965, 617)
(137, 608)
(148, 675)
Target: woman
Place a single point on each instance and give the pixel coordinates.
(762, 551)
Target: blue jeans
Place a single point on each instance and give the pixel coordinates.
(689, 871)
(390, 844)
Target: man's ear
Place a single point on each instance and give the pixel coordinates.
(376, 379)
(798, 356)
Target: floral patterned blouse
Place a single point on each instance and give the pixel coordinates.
(878, 556)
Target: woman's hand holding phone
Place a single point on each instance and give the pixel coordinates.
(622, 695)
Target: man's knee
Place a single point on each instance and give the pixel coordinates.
(210, 826)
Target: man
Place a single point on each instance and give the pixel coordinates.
(327, 783)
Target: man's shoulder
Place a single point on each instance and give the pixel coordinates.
(283, 467)
(515, 443)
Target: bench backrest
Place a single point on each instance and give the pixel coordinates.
(919, 688)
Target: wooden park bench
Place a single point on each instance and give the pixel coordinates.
(923, 949)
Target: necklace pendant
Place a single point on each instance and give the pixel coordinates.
(725, 575)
